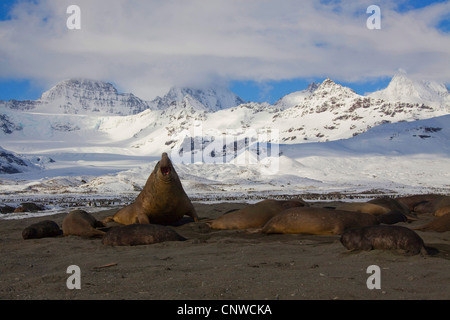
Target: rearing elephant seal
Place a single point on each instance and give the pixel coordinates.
(162, 201)
(254, 215)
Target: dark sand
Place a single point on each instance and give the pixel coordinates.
(215, 264)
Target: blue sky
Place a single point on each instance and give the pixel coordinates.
(261, 51)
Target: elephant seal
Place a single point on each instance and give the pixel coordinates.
(319, 221)
(161, 201)
(43, 229)
(80, 223)
(442, 211)
(439, 224)
(384, 238)
(432, 205)
(254, 215)
(365, 207)
(391, 204)
(140, 234)
(412, 201)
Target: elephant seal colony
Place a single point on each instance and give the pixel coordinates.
(150, 261)
(293, 239)
(162, 200)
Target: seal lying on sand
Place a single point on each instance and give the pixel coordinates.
(80, 223)
(392, 205)
(440, 224)
(140, 234)
(162, 201)
(254, 215)
(384, 238)
(432, 205)
(320, 221)
(43, 229)
(365, 207)
(412, 201)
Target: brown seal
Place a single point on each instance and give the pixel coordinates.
(442, 211)
(254, 215)
(384, 238)
(432, 205)
(140, 234)
(43, 229)
(365, 207)
(80, 223)
(439, 224)
(412, 201)
(391, 204)
(161, 201)
(320, 221)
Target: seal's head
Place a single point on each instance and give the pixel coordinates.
(164, 169)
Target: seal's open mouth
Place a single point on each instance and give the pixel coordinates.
(165, 171)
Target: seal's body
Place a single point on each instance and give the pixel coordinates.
(432, 205)
(439, 224)
(364, 207)
(161, 201)
(254, 215)
(140, 234)
(383, 238)
(80, 223)
(415, 200)
(319, 221)
(43, 229)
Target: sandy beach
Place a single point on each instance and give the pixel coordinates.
(216, 265)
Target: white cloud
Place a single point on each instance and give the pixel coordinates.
(147, 46)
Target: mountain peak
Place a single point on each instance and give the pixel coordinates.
(213, 99)
(330, 88)
(406, 89)
(77, 85)
(85, 96)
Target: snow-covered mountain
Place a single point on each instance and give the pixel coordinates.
(334, 112)
(404, 89)
(87, 116)
(327, 138)
(81, 96)
(209, 99)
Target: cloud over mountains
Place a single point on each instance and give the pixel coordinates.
(146, 47)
